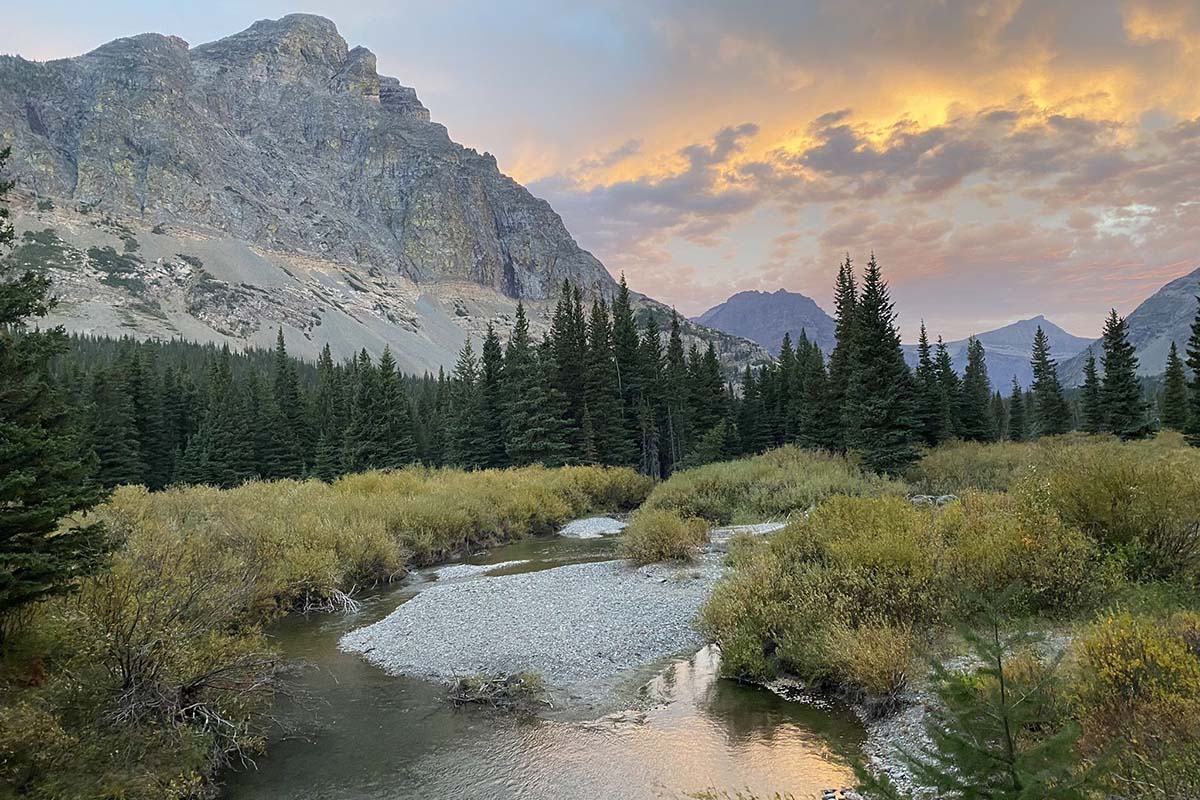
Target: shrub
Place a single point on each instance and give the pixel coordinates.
(1138, 698)
(654, 536)
(774, 485)
(955, 467)
(1140, 502)
(871, 661)
(863, 574)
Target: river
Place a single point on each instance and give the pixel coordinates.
(354, 732)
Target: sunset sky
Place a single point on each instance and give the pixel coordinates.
(1003, 159)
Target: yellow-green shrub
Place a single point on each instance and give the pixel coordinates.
(654, 535)
(1137, 695)
(872, 661)
(836, 596)
(955, 467)
(1140, 501)
(995, 541)
(773, 485)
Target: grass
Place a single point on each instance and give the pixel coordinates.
(155, 674)
(775, 485)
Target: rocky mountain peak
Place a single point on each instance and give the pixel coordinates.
(295, 47)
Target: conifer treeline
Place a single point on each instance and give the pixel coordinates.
(594, 389)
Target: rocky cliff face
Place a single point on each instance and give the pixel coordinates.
(282, 136)
(273, 179)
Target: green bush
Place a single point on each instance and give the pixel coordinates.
(774, 485)
(1137, 695)
(1139, 502)
(836, 596)
(655, 535)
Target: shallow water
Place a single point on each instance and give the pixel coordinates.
(362, 734)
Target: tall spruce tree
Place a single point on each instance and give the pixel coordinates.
(1175, 393)
(999, 416)
(1051, 414)
(975, 421)
(535, 428)
(1091, 403)
(1121, 392)
(842, 359)
(949, 392)
(930, 419)
(652, 406)
(677, 382)
(42, 478)
(329, 457)
(879, 396)
(492, 408)
(630, 372)
(1018, 421)
(610, 438)
(464, 428)
(397, 436)
(1193, 361)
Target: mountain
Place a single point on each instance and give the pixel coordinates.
(1009, 350)
(273, 179)
(1164, 317)
(764, 317)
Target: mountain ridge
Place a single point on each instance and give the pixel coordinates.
(764, 317)
(272, 178)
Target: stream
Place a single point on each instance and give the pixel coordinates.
(355, 732)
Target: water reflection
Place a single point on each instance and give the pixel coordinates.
(368, 735)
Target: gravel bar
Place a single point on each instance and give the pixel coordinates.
(575, 624)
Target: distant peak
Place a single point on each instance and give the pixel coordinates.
(291, 43)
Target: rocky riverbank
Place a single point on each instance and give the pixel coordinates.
(576, 625)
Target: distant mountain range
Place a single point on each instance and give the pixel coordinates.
(764, 317)
(1164, 317)
(1009, 350)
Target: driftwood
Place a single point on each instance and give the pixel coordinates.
(523, 692)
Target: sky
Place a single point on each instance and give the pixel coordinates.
(1001, 158)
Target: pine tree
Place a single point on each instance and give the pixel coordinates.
(364, 446)
(288, 427)
(1193, 362)
(630, 372)
(652, 406)
(999, 417)
(42, 478)
(975, 421)
(842, 360)
(112, 432)
(492, 413)
(609, 439)
(1018, 423)
(1121, 392)
(994, 735)
(677, 381)
(1051, 415)
(398, 442)
(329, 457)
(879, 396)
(536, 431)
(1175, 393)
(1091, 404)
(949, 393)
(464, 428)
(928, 410)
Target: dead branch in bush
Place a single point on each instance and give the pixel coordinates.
(522, 692)
(332, 602)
